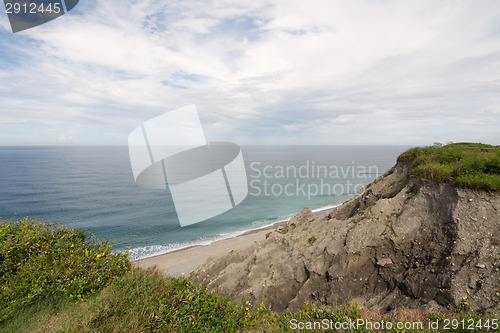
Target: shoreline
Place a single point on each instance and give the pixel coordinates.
(248, 232)
(184, 261)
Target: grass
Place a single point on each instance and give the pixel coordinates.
(465, 165)
(54, 279)
(311, 240)
(412, 190)
(139, 301)
(43, 261)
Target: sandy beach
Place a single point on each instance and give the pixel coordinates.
(183, 262)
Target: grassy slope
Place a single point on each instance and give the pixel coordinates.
(146, 301)
(466, 165)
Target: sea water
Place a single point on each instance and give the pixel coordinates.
(92, 188)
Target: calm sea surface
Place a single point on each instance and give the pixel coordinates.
(92, 188)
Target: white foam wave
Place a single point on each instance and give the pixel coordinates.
(155, 250)
(317, 210)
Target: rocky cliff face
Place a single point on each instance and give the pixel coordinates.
(400, 242)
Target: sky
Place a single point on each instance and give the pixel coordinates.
(259, 72)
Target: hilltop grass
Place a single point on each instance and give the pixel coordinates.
(465, 165)
(54, 279)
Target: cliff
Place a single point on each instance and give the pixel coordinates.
(401, 242)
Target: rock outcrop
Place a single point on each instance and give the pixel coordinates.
(402, 241)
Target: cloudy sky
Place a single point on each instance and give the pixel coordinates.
(259, 72)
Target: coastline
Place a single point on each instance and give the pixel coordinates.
(184, 261)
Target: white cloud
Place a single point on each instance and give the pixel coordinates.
(320, 72)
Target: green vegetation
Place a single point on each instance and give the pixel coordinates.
(412, 190)
(311, 240)
(466, 165)
(40, 261)
(57, 280)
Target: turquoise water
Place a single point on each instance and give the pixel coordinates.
(92, 188)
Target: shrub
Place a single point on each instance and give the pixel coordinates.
(190, 308)
(40, 260)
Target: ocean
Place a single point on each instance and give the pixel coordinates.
(93, 188)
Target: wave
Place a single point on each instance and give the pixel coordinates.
(318, 210)
(144, 252)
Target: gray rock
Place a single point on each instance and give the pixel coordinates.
(350, 260)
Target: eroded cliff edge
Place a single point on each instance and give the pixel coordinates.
(402, 241)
